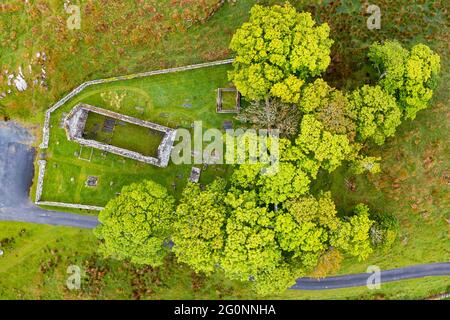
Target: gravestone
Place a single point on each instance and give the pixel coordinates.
(92, 181)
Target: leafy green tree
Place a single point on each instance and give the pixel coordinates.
(384, 231)
(320, 211)
(136, 225)
(330, 106)
(288, 182)
(250, 246)
(199, 227)
(304, 226)
(277, 280)
(272, 114)
(378, 114)
(325, 147)
(353, 235)
(276, 50)
(408, 75)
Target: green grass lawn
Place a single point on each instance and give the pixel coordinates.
(174, 100)
(228, 100)
(125, 135)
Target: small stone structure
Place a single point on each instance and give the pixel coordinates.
(92, 181)
(220, 109)
(76, 121)
(195, 175)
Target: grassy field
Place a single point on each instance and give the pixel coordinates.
(173, 100)
(36, 259)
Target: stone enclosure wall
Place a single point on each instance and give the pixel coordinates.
(77, 90)
(76, 120)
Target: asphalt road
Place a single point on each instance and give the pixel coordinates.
(360, 279)
(16, 175)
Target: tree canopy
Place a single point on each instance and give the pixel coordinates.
(270, 227)
(198, 231)
(276, 51)
(378, 114)
(136, 225)
(330, 106)
(409, 75)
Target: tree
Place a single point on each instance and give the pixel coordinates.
(320, 211)
(378, 114)
(272, 114)
(353, 236)
(329, 106)
(288, 182)
(199, 227)
(329, 263)
(276, 51)
(326, 148)
(384, 231)
(303, 228)
(250, 247)
(410, 76)
(136, 225)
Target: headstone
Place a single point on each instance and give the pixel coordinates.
(227, 124)
(92, 181)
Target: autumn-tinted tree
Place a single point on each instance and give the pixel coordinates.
(409, 75)
(328, 263)
(200, 226)
(276, 50)
(136, 225)
(329, 106)
(272, 114)
(378, 114)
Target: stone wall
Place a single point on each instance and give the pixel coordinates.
(77, 90)
(40, 184)
(69, 205)
(76, 120)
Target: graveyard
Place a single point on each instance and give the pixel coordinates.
(81, 174)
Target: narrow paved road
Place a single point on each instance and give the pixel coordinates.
(360, 279)
(16, 175)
